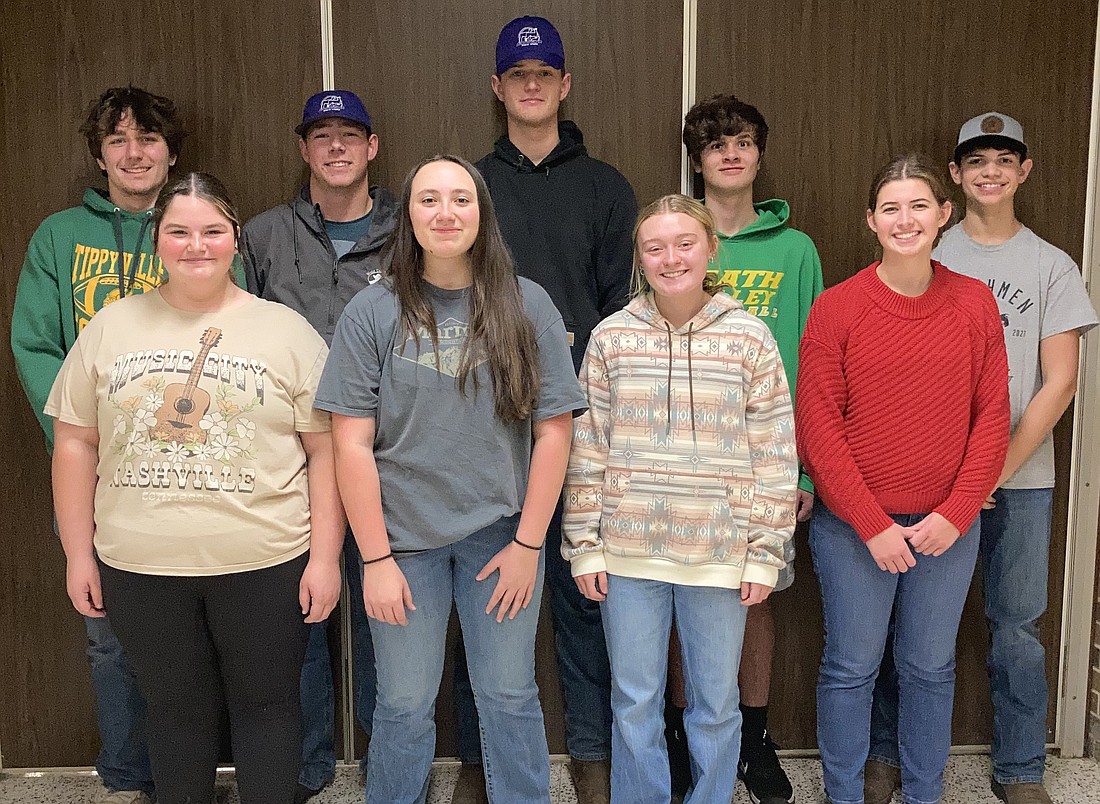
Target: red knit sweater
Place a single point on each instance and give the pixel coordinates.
(902, 401)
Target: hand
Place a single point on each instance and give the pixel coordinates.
(593, 585)
(319, 590)
(990, 501)
(890, 551)
(804, 505)
(517, 567)
(386, 593)
(82, 586)
(932, 536)
(753, 593)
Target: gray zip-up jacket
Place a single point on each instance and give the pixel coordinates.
(288, 258)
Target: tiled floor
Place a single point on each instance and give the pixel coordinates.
(1070, 781)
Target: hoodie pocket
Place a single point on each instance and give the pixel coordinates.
(685, 518)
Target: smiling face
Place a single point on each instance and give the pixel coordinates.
(196, 241)
(443, 209)
(729, 163)
(907, 218)
(136, 162)
(990, 176)
(673, 252)
(531, 92)
(338, 153)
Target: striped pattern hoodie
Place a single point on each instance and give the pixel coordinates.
(683, 468)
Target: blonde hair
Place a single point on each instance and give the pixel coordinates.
(672, 204)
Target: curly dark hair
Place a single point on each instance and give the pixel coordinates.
(153, 113)
(722, 116)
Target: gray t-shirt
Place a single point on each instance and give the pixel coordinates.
(447, 465)
(1040, 293)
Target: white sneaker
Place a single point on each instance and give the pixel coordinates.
(105, 796)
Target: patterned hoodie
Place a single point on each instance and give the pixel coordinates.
(683, 469)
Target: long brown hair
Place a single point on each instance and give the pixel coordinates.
(500, 331)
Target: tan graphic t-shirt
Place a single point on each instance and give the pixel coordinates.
(201, 470)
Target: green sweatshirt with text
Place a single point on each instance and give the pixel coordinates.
(79, 260)
(775, 273)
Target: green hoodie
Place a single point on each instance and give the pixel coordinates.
(775, 272)
(73, 269)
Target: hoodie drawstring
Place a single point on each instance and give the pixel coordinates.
(691, 386)
(126, 283)
(668, 386)
(691, 383)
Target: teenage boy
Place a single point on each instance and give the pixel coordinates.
(567, 219)
(1045, 310)
(314, 254)
(79, 261)
(775, 272)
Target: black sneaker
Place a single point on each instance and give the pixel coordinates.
(764, 778)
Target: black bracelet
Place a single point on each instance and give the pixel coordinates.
(380, 558)
(528, 546)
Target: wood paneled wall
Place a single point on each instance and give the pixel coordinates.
(844, 86)
(425, 79)
(239, 78)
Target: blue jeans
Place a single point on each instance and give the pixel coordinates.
(123, 761)
(1015, 546)
(501, 657)
(583, 668)
(858, 599)
(710, 622)
(318, 695)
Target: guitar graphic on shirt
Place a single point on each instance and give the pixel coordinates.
(185, 403)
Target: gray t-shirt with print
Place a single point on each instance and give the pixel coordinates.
(447, 465)
(1040, 293)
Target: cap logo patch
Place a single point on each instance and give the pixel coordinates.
(528, 36)
(332, 103)
(992, 124)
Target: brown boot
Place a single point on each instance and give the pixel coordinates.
(470, 787)
(1025, 793)
(591, 780)
(879, 782)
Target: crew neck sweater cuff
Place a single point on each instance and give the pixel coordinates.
(959, 511)
(869, 522)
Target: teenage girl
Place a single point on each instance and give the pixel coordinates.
(680, 497)
(903, 423)
(452, 392)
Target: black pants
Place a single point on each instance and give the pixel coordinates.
(196, 642)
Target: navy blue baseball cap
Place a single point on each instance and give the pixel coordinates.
(333, 103)
(529, 38)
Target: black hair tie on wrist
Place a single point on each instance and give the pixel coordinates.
(380, 558)
(528, 546)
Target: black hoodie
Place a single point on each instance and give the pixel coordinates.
(567, 221)
(289, 258)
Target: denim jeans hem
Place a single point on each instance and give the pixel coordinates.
(601, 757)
(1018, 779)
(143, 787)
(311, 780)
